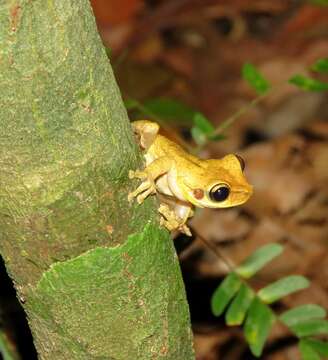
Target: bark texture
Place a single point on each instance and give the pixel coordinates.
(89, 288)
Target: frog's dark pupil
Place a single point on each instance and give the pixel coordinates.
(220, 194)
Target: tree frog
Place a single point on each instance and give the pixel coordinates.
(184, 180)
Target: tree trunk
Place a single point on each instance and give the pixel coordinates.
(96, 276)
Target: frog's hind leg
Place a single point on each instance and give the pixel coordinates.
(176, 219)
(168, 218)
(146, 131)
(184, 212)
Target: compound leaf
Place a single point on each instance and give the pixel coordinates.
(307, 351)
(239, 306)
(259, 321)
(308, 84)
(310, 328)
(282, 287)
(258, 259)
(302, 313)
(255, 79)
(224, 293)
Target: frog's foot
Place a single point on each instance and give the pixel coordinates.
(146, 188)
(171, 221)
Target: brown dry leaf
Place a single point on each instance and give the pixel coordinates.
(113, 12)
(148, 50)
(180, 60)
(292, 114)
(206, 344)
(277, 186)
(221, 225)
(265, 232)
(285, 353)
(318, 129)
(307, 19)
(217, 226)
(223, 344)
(139, 81)
(318, 153)
(116, 38)
(308, 235)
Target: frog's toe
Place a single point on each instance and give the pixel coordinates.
(165, 211)
(171, 221)
(144, 190)
(139, 174)
(169, 225)
(144, 195)
(165, 223)
(185, 230)
(140, 189)
(130, 196)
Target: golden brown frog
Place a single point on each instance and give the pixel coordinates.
(187, 180)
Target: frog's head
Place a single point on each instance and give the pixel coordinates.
(221, 184)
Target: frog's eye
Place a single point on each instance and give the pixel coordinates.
(219, 192)
(241, 162)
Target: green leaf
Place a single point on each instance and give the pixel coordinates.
(130, 104)
(7, 347)
(307, 352)
(239, 306)
(283, 287)
(169, 110)
(224, 293)
(319, 2)
(202, 123)
(302, 313)
(310, 328)
(217, 137)
(203, 129)
(199, 137)
(255, 79)
(259, 321)
(308, 84)
(320, 65)
(321, 347)
(258, 259)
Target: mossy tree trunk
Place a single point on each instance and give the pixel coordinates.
(96, 276)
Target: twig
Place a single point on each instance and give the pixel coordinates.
(216, 251)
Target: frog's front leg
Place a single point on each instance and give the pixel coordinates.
(149, 175)
(143, 190)
(176, 219)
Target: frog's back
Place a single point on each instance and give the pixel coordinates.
(162, 146)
